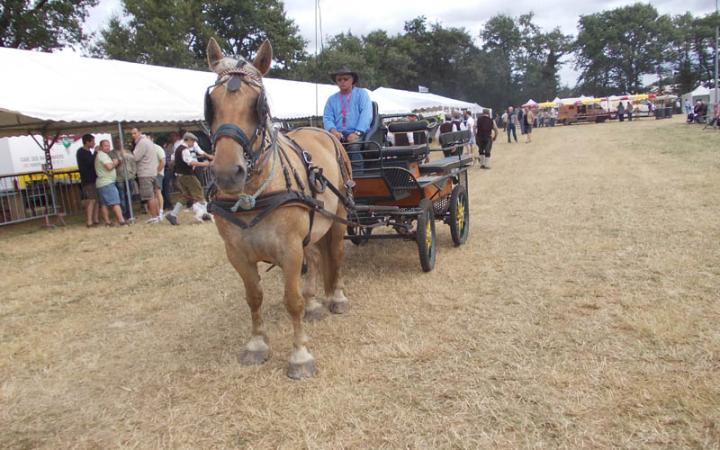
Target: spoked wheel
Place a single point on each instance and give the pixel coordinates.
(360, 235)
(459, 219)
(426, 242)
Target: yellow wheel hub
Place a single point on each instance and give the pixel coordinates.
(460, 214)
(428, 236)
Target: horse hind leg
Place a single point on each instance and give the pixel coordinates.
(313, 308)
(333, 253)
(257, 349)
(302, 363)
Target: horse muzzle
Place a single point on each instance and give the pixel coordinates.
(230, 179)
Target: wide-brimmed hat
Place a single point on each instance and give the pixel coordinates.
(191, 136)
(344, 71)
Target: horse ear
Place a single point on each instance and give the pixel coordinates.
(214, 54)
(264, 57)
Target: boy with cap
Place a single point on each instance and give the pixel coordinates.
(187, 158)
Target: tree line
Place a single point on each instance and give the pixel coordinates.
(504, 62)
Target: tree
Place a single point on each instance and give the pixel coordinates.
(43, 24)
(176, 32)
(616, 48)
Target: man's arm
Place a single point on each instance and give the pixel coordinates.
(329, 122)
(140, 151)
(366, 112)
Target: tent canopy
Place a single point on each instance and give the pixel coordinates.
(49, 92)
(62, 92)
(418, 100)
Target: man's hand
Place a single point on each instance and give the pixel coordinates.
(352, 137)
(336, 133)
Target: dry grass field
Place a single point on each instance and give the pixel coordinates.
(584, 312)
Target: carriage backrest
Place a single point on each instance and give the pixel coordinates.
(454, 138)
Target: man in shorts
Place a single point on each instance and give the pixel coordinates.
(187, 157)
(147, 167)
(469, 124)
(160, 175)
(105, 184)
(86, 165)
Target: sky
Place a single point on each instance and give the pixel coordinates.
(391, 15)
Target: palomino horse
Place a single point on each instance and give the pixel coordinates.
(271, 203)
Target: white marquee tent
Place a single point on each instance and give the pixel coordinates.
(49, 92)
(417, 100)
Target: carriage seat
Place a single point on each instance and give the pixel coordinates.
(454, 138)
(403, 149)
(406, 152)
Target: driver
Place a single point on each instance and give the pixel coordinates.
(348, 114)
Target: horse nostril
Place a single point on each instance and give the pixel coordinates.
(240, 171)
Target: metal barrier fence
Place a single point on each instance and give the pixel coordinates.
(29, 196)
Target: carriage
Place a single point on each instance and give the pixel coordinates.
(399, 188)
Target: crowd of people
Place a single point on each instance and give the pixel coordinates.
(110, 178)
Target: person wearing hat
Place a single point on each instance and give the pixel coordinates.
(187, 158)
(348, 114)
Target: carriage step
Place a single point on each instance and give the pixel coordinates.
(375, 208)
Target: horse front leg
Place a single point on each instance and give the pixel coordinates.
(257, 349)
(302, 363)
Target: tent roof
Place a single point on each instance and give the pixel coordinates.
(48, 92)
(420, 100)
(699, 91)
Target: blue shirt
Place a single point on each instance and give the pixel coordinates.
(358, 112)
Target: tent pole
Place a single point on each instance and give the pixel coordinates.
(46, 145)
(128, 194)
(717, 36)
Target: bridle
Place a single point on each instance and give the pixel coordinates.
(233, 78)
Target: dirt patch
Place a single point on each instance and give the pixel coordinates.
(582, 312)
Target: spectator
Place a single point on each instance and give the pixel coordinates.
(688, 107)
(487, 132)
(187, 159)
(107, 191)
(511, 123)
(621, 111)
(470, 125)
(160, 152)
(125, 179)
(528, 118)
(171, 145)
(147, 164)
(629, 111)
(86, 166)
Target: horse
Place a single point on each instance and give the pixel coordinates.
(280, 199)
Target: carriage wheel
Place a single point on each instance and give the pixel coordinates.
(459, 211)
(427, 247)
(360, 235)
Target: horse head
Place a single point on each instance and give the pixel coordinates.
(236, 111)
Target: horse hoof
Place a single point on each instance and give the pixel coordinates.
(299, 371)
(315, 314)
(338, 307)
(253, 358)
